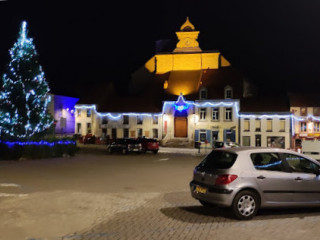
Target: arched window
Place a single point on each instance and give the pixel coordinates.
(228, 92)
(203, 93)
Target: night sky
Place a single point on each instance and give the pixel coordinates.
(275, 44)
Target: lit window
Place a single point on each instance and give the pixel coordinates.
(88, 127)
(282, 125)
(316, 126)
(228, 116)
(215, 114)
(303, 111)
(246, 125)
(79, 113)
(246, 141)
(203, 135)
(316, 111)
(269, 125)
(303, 126)
(258, 125)
(203, 113)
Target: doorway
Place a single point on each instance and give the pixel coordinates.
(180, 127)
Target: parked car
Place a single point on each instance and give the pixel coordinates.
(89, 139)
(125, 145)
(149, 144)
(247, 179)
(219, 144)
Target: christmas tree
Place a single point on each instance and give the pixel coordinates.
(23, 93)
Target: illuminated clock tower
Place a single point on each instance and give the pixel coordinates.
(187, 37)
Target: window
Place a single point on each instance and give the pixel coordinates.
(203, 135)
(278, 142)
(266, 161)
(155, 119)
(203, 93)
(246, 141)
(269, 125)
(104, 132)
(88, 127)
(303, 126)
(88, 112)
(300, 164)
(155, 133)
(104, 120)
(218, 160)
(139, 131)
(203, 113)
(282, 125)
(125, 119)
(228, 116)
(316, 111)
(228, 92)
(246, 125)
(114, 133)
(258, 125)
(125, 132)
(78, 112)
(215, 114)
(303, 111)
(316, 126)
(79, 128)
(140, 120)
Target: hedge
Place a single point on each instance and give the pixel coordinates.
(36, 149)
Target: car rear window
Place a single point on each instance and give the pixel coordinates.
(219, 160)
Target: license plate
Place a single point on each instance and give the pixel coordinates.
(201, 189)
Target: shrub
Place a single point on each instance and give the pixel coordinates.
(37, 149)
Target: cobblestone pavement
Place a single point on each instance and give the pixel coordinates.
(95, 196)
(177, 216)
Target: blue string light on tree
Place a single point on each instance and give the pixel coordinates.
(23, 92)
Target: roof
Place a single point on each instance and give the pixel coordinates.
(264, 104)
(215, 80)
(304, 100)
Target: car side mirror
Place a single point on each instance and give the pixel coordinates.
(317, 171)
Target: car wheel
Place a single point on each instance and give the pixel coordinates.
(206, 204)
(245, 205)
(155, 151)
(124, 151)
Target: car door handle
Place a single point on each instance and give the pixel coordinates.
(261, 177)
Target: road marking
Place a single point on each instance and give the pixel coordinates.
(163, 159)
(9, 185)
(12, 195)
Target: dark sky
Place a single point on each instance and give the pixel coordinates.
(274, 43)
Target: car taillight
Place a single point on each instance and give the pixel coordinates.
(225, 179)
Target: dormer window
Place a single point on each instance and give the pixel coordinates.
(203, 94)
(228, 92)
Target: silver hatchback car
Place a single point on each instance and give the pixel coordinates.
(247, 179)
